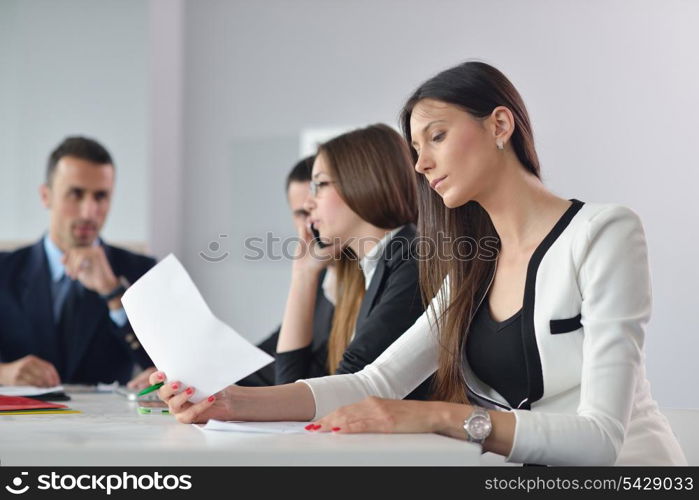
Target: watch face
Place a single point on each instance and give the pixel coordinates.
(479, 427)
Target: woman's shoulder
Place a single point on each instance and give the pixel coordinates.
(596, 213)
(600, 227)
(592, 218)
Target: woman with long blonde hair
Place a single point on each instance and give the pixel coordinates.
(363, 205)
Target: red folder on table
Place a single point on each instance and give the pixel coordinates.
(18, 404)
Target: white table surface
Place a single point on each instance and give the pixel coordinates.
(109, 431)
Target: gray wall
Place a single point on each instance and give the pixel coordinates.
(611, 87)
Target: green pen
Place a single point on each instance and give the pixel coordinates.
(150, 389)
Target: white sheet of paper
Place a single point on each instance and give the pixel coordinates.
(182, 336)
(107, 387)
(28, 390)
(257, 427)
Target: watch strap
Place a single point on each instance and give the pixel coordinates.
(119, 290)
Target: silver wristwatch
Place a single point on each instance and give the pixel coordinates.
(478, 425)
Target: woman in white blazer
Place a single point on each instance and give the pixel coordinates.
(535, 334)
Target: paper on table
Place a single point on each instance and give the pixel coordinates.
(102, 387)
(182, 336)
(28, 391)
(257, 427)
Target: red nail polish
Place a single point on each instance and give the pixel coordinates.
(160, 376)
(309, 427)
(175, 387)
(189, 391)
(211, 399)
(335, 429)
(316, 427)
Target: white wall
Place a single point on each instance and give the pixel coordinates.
(611, 87)
(72, 67)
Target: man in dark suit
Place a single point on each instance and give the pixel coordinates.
(62, 320)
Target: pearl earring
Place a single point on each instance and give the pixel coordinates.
(500, 145)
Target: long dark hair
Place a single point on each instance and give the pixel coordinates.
(477, 88)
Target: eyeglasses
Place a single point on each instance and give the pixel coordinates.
(315, 186)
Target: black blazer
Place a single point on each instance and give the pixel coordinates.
(102, 352)
(390, 306)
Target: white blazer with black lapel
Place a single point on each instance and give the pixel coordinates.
(587, 301)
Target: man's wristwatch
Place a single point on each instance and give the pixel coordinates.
(478, 425)
(118, 291)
